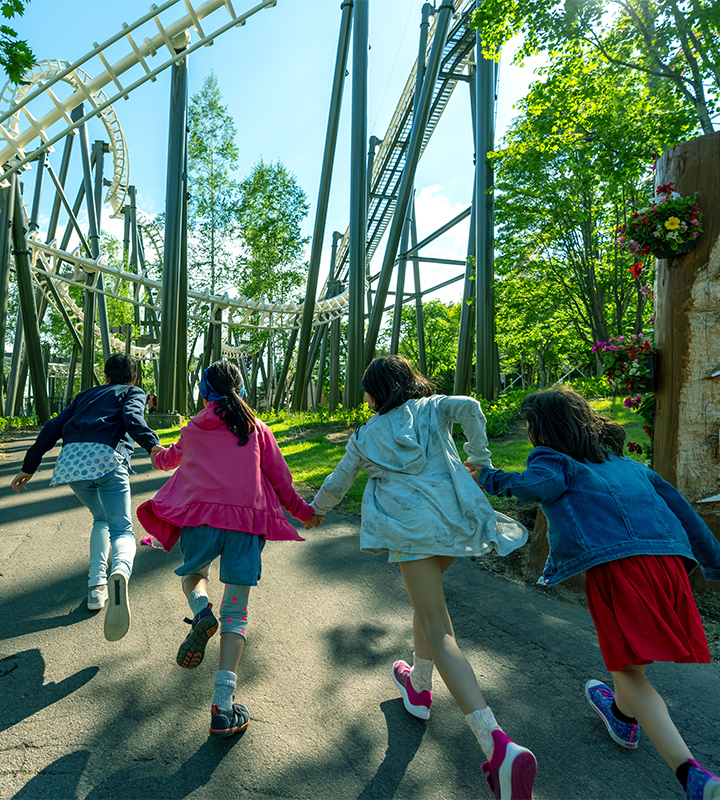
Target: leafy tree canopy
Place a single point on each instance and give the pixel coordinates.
(673, 42)
(270, 211)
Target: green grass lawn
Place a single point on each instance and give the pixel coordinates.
(313, 447)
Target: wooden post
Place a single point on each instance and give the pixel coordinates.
(687, 336)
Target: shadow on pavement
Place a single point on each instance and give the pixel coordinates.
(23, 691)
(136, 782)
(404, 736)
(59, 779)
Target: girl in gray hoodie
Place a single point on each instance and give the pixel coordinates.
(423, 509)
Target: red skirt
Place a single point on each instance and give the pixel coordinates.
(644, 611)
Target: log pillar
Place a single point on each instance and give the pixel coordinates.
(687, 337)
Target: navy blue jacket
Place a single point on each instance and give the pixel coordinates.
(601, 512)
(111, 414)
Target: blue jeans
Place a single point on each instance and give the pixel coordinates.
(108, 500)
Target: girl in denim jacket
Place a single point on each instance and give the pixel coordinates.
(636, 537)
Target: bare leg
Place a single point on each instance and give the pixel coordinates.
(636, 697)
(193, 582)
(420, 645)
(423, 580)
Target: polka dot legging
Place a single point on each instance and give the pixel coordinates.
(233, 610)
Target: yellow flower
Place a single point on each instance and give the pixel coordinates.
(672, 223)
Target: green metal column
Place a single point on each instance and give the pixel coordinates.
(6, 215)
(174, 204)
(420, 119)
(335, 287)
(358, 208)
(420, 321)
(485, 381)
(298, 402)
(99, 150)
(27, 305)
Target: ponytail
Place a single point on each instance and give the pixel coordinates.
(222, 383)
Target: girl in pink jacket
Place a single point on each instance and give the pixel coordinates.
(226, 499)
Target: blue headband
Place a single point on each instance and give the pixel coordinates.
(207, 391)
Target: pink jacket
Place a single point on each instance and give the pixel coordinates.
(223, 485)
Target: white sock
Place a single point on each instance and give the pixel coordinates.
(483, 724)
(225, 685)
(198, 600)
(421, 674)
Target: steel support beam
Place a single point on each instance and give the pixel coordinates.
(6, 218)
(173, 293)
(485, 372)
(358, 207)
(28, 308)
(298, 401)
(420, 118)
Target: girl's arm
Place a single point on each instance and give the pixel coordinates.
(171, 457)
(468, 412)
(546, 478)
(276, 470)
(705, 546)
(134, 420)
(336, 485)
(47, 439)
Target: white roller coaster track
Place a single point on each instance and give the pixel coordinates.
(37, 110)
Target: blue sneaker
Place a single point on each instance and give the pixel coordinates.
(701, 784)
(601, 699)
(192, 650)
(230, 722)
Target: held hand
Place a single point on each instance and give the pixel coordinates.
(19, 481)
(313, 522)
(473, 470)
(158, 448)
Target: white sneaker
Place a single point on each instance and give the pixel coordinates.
(117, 613)
(97, 597)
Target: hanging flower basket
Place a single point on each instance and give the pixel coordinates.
(668, 252)
(630, 363)
(666, 227)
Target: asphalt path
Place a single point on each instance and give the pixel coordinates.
(84, 718)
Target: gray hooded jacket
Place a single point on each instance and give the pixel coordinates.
(420, 499)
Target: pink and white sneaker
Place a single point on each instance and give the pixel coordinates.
(416, 703)
(510, 773)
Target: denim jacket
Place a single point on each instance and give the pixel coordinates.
(601, 512)
(110, 414)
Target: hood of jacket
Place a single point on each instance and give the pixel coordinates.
(207, 419)
(396, 441)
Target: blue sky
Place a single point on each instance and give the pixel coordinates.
(275, 75)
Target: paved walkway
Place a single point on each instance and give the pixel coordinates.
(84, 718)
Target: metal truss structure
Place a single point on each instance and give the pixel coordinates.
(59, 100)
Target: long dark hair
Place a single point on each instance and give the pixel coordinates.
(225, 378)
(391, 381)
(563, 420)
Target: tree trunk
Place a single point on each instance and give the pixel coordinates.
(687, 336)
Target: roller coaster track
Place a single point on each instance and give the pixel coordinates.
(40, 110)
(390, 160)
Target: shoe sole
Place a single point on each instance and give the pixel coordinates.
(117, 615)
(192, 650)
(613, 735)
(516, 774)
(229, 731)
(421, 712)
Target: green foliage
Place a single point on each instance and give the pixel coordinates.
(18, 422)
(567, 171)
(441, 322)
(670, 44)
(16, 57)
(270, 210)
(213, 192)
